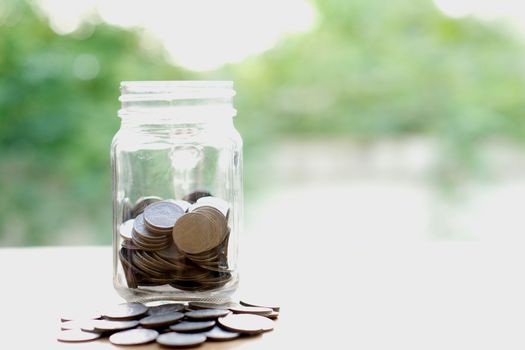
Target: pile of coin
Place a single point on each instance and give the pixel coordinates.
(171, 324)
(181, 243)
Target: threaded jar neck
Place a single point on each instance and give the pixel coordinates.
(166, 101)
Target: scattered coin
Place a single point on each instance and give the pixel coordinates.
(75, 335)
(251, 310)
(197, 305)
(165, 308)
(191, 327)
(269, 305)
(246, 323)
(85, 325)
(79, 315)
(126, 311)
(206, 314)
(274, 315)
(180, 340)
(134, 337)
(113, 326)
(161, 320)
(218, 334)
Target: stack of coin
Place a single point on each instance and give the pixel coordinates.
(173, 242)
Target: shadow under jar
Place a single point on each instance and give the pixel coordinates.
(177, 191)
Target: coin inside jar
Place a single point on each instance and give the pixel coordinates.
(126, 229)
(195, 195)
(199, 231)
(142, 203)
(150, 256)
(159, 217)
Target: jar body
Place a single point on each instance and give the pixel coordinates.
(190, 159)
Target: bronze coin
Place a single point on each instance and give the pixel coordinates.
(267, 304)
(162, 215)
(207, 314)
(251, 310)
(75, 335)
(134, 337)
(161, 320)
(218, 203)
(173, 339)
(126, 311)
(190, 327)
(194, 233)
(246, 323)
(113, 326)
(195, 195)
(219, 334)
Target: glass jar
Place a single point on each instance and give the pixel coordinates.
(177, 191)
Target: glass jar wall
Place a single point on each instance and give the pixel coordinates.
(177, 191)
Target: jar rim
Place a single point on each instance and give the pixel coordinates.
(175, 90)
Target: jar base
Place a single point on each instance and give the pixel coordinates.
(221, 295)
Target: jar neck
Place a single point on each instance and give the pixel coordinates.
(176, 102)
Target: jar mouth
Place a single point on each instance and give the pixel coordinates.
(164, 99)
(176, 90)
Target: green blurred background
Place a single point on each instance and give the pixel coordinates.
(374, 101)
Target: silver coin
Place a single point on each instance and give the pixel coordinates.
(206, 314)
(126, 311)
(161, 320)
(165, 308)
(251, 310)
(162, 215)
(268, 304)
(180, 340)
(197, 305)
(246, 323)
(134, 337)
(75, 335)
(190, 327)
(85, 325)
(113, 326)
(217, 333)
